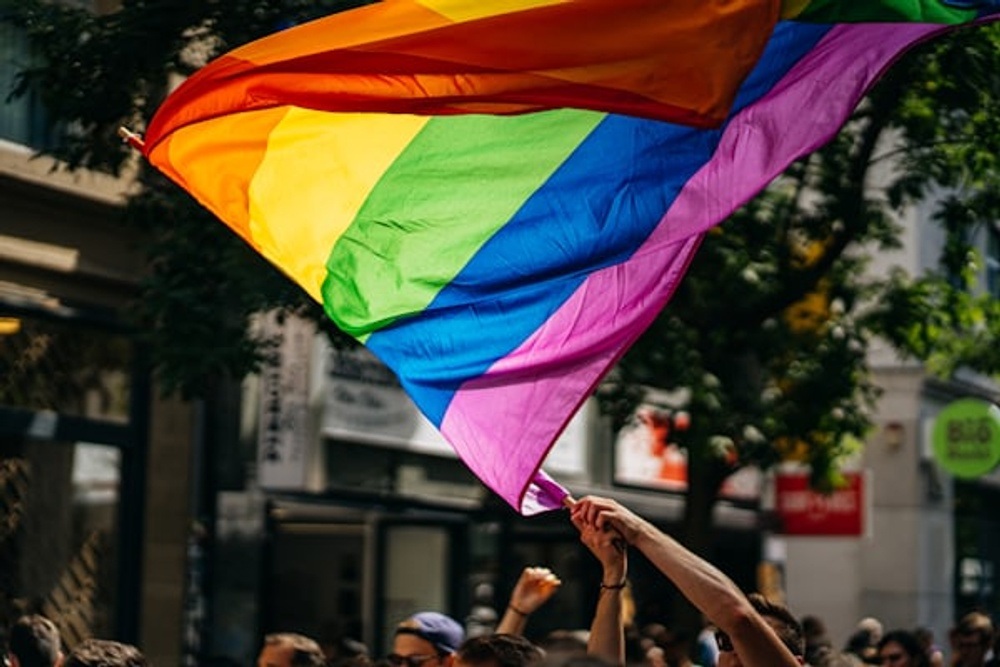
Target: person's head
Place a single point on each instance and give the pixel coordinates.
(497, 651)
(565, 642)
(861, 645)
(971, 639)
(427, 639)
(344, 651)
(667, 645)
(34, 642)
(828, 657)
(818, 644)
(781, 620)
(925, 636)
(813, 628)
(900, 648)
(105, 653)
(572, 660)
(289, 649)
(874, 628)
(676, 645)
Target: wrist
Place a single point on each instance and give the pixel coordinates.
(641, 534)
(518, 610)
(613, 575)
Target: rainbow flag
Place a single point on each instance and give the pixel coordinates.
(497, 197)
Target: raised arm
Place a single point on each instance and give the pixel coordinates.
(708, 589)
(533, 588)
(607, 633)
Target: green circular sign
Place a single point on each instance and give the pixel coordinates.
(966, 438)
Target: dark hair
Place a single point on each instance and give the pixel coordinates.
(908, 640)
(498, 651)
(571, 660)
(105, 653)
(34, 641)
(813, 627)
(305, 651)
(786, 625)
(858, 641)
(563, 642)
(925, 636)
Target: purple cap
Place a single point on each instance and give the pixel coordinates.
(442, 631)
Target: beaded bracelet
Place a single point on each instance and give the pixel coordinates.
(614, 587)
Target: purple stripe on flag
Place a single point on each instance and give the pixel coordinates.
(519, 402)
(525, 406)
(763, 139)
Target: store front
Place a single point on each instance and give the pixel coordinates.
(71, 471)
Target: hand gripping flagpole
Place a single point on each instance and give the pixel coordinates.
(619, 542)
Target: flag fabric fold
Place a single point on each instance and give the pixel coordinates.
(680, 61)
(500, 234)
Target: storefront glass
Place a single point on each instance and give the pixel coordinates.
(977, 547)
(59, 534)
(64, 367)
(66, 388)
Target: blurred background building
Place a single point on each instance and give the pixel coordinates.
(94, 467)
(930, 545)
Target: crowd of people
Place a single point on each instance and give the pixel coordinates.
(741, 630)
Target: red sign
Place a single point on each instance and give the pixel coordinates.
(803, 511)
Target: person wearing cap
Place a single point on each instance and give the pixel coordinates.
(427, 639)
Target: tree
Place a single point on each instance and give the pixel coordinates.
(95, 72)
(768, 333)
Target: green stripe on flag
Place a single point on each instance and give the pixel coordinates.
(458, 182)
(858, 11)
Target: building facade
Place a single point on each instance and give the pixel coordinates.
(94, 465)
(929, 549)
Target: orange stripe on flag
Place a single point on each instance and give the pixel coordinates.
(372, 24)
(678, 60)
(216, 161)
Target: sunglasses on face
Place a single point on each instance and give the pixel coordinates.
(723, 641)
(397, 660)
(890, 658)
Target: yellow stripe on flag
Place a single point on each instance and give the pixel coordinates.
(316, 174)
(463, 10)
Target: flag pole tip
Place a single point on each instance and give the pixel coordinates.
(130, 137)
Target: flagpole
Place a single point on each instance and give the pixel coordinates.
(131, 138)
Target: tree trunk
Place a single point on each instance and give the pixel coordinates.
(705, 477)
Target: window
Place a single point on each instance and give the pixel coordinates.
(60, 535)
(22, 120)
(64, 367)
